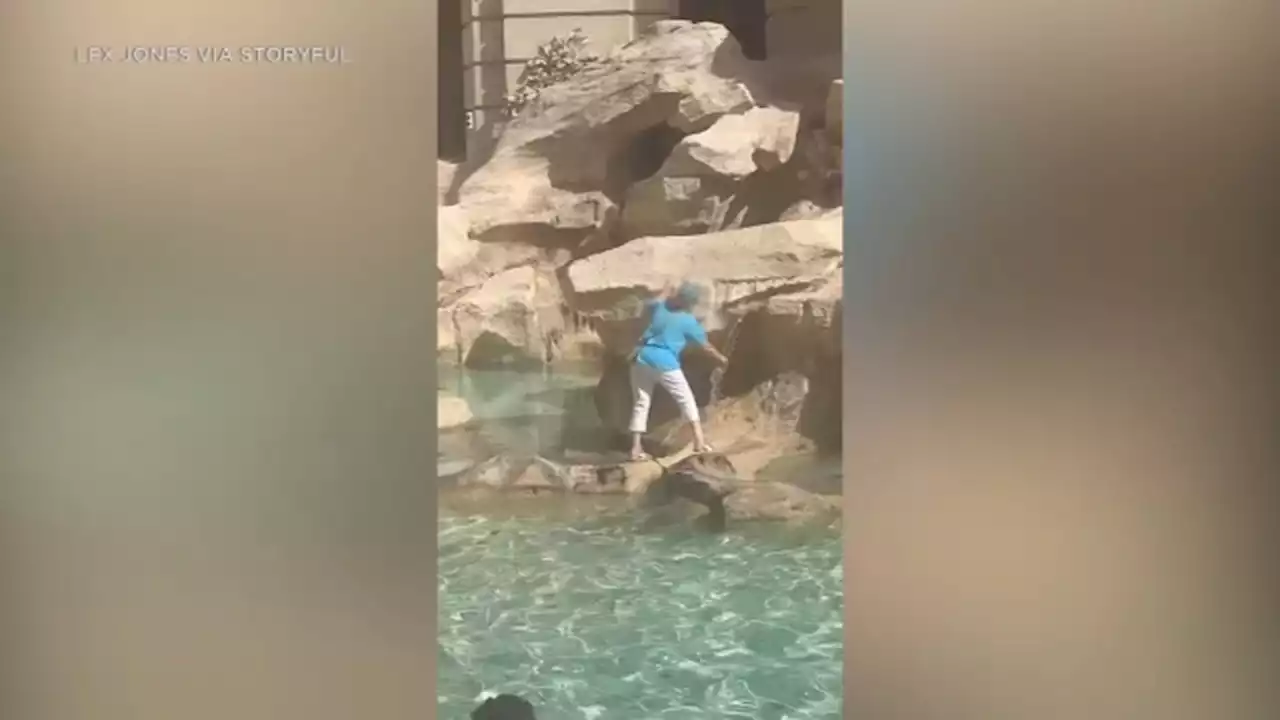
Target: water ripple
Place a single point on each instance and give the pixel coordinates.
(601, 623)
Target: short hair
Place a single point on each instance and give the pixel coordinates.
(689, 293)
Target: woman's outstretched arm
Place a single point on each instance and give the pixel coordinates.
(712, 352)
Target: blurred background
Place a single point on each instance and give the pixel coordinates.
(1057, 392)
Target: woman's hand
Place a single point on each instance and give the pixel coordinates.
(715, 355)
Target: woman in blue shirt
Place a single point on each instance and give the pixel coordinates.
(656, 361)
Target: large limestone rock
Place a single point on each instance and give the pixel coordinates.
(515, 473)
(704, 480)
(708, 481)
(464, 264)
(790, 335)
(779, 501)
(737, 145)
(733, 265)
(713, 482)
(451, 411)
(558, 170)
(786, 331)
(455, 249)
(700, 186)
(513, 318)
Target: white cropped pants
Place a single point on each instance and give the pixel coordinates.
(643, 380)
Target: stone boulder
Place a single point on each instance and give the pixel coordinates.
(464, 264)
(711, 481)
(734, 265)
(451, 411)
(710, 484)
(780, 502)
(773, 408)
(455, 250)
(496, 473)
(788, 331)
(738, 144)
(559, 169)
(511, 319)
(786, 336)
(702, 185)
(537, 474)
(812, 178)
(704, 479)
(459, 446)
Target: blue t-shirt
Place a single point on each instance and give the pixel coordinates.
(668, 332)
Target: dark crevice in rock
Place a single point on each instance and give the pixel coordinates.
(640, 159)
(644, 155)
(582, 158)
(744, 372)
(535, 235)
(822, 411)
(569, 305)
(604, 238)
(491, 351)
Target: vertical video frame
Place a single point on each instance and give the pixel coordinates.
(640, 283)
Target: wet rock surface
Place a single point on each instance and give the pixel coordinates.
(705, 489)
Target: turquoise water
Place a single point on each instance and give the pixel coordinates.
(598, 621)
(574, 607)
(505, 394)
(526, 412)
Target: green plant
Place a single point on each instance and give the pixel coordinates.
(557, 60)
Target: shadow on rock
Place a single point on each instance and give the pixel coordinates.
(704, 479)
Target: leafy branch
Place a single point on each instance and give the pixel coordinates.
(556, 61)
